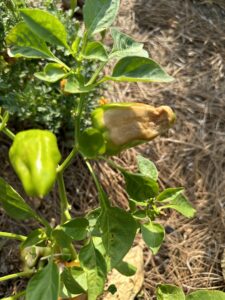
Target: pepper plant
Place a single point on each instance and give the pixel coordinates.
(75, 256)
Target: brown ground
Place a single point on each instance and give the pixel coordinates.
(187, 38)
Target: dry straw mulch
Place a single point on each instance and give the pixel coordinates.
(187, 38)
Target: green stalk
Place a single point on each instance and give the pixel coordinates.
(16, 275)
(113, 164)
(65, 206)
(67, 161)
(78, 118)
(9, 133)
(14, 236)
(14, 297)
(102, 196)
(97, 72)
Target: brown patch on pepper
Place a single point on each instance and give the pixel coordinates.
(137, 122)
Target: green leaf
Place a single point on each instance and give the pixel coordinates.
(70, 283)
(140, 187)
(72, 86)
(13, 203)
(46, 26)
(153, 235)
(95, 50)
(206, 295)
(76, 228)
(125, 46)
(170, 292)
(182, 205)
(62, 239)
(134, 69)
(147, 167)
(94, 266)
(44, 285)
(4, 120)
(169, 194)
(140, 214)
(99, 14)
(126, 269)
(34, 238)
(119, 230)
(52, 73)
(26, 44)
(91, 143)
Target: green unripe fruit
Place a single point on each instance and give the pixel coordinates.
(34, 156)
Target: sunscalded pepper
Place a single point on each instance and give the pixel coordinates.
(124, 125)
(34, 156)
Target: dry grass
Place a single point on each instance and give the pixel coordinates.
(187, 38)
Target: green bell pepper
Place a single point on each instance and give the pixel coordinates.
(125, 125)
(34, 156)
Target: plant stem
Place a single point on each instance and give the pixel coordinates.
(65, 207)
(78, 118)
(113, 164)
(16, 275)
(17, 296)
(10, 235)
(44, 222)
(102, 196)
(56, 59)
(67, 161)
(9, 133)
(95, 75)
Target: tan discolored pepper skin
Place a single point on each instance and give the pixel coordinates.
(125, 125)
(34, 156)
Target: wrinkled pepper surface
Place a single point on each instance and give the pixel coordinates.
(34, 156)
(124, 125)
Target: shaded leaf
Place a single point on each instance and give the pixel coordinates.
(76, 228)
(94, 266)
(26, 44)
(126, 269)
(13, 203)
(169, 194)
(125, 46)
(119, 230)
(44, 285)
(72, 86)
(34, 238)
(70, 283)
(95, 50)
(153, 235)
(140, 187)
(52, 73)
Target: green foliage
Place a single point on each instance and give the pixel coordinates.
(44, 284)
(171, 292)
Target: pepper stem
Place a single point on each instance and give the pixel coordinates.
(65, 206)
(14, 236)
(101, 194)
(16, 275)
